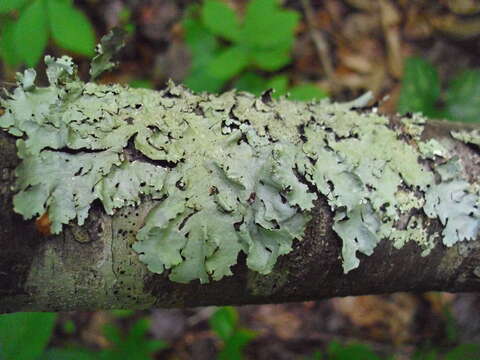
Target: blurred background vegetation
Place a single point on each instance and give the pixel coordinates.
(414, 55)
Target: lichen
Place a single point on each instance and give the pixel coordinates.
(432, 148)
(469, 137)
(454, 204)
(416, 232)
(227, 174)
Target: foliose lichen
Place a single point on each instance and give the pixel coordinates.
(228, 174)
(469, 137)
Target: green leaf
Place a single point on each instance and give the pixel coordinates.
(252, 83)
(31, 33)
(228, 63)
(220, 19)
(122, 313)
(232, 349)
(204, 47)
(7, 43)
(68, 354)
(24, 336)
(271, 59)
(135, 346)
(257, 84)
(268, 26)
(317, 355)
(463, 97)
(224, 321)
(9, 5)
(112, 333)
(280, 84)
(141, 83)
(70, 28)
(306, 92)
(199, 81)
(197, 35)
(69, 327)
(337, 351)
(464, 352)
(425, 354)
(420, 88)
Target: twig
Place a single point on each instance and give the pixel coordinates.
(319, 42)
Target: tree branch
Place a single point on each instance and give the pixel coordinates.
(163, 199)
(94, 267)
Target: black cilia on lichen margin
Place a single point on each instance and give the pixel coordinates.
(227, 173)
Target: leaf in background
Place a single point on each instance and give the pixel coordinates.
(224, 321)
(420, 88)
(135, 346)
(271, 59)
(317, 355)
(268, 26)
(232, 349)
(199, 81)
(252, 83)
(463, 97)
(464, 352)
(112, 333)
(70, 28)
(306, 92)
(220, 19)
(24, 336)
(280, 84)
(425, 355)
(31, 33)
(141, 83)
(7, 43)
(69, 326)
(228, 63)
(337, 351)
(68, 354)
(122, 313)
(9, 5)
(203, 46)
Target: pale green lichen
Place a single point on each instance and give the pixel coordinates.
(454, 204)
(432, 148)
(413, 125)
(408, 200)
(228, 174)
(227, 189)
(108, 47)
(469, 137)
(416, 232)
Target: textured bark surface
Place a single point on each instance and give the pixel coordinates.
(94, 267)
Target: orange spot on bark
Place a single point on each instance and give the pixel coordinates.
(43, 225)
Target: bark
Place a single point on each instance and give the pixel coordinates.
(94, 267)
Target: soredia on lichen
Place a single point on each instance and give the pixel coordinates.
(226, 174)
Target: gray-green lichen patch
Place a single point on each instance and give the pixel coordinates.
(415, 231)
(469, 137)
(227, 174)
(454, 204)
(432, 148)
(108, 47)
(221, 187)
